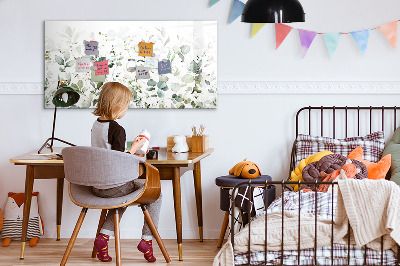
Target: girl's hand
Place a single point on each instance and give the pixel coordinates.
(137, 144)
(142, 155)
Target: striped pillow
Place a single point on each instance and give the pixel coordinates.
(372, 145)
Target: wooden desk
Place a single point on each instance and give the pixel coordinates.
(171, 167)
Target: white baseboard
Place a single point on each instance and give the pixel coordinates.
(261, 87)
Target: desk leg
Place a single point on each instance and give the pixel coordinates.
(176, 182)
(60, 190)
(197, 189)
(27, 206)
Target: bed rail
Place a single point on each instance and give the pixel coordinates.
(343, 119)
(265, 185)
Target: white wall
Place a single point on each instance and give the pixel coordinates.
(259, 127)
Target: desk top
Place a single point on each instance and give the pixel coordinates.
(164, 157)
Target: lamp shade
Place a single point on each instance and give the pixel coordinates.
(273, 11)
(65, 96)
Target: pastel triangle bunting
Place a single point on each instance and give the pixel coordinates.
(306, 39)
(237, 8)
(332, 41)
(213, 2)
(256, 28)
(389, 30)
(281, 31)
(361, 37)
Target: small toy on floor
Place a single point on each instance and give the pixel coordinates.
(13, 215)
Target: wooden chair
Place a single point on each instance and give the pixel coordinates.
(85, 167)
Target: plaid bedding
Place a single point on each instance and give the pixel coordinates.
(372, 145)
(323, 207)
(324, 257)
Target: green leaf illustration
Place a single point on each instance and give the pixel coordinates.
(59, 60)
(160, 94)
(70, 63)
(151, 82)
(162, 85)
(163, 78)
(80, 84)
(74, 86)
(193, 67)
(185, 49)
(207, 82)
(187, 78)
(182, 57)
(66, 55)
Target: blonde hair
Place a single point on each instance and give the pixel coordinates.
(113, 97)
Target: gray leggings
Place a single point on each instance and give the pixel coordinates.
(154, 208)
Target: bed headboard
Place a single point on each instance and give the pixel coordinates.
(344, 121)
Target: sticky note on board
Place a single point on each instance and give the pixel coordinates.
(102, 68)
(95, 78)
(83, 64)
(142, 72)
(164, 67)
(91, 48)
(151, 62)
(145, 49)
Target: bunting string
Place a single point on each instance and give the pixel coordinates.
(361, 37)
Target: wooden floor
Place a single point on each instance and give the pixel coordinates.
(50, 252)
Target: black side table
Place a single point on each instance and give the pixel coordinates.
(226, 183)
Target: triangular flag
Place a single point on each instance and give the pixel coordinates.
(306, 39)
(390, 32)
(255, 28)
(281, 31)
(237, 9)
(332, 41)
(213, 2)
(361, 37)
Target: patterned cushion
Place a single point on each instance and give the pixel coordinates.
(372, 144)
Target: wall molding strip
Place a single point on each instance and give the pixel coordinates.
(260, 87)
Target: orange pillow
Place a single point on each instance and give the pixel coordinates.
(375, 170)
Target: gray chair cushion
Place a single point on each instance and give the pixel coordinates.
(83, 195)
(99, 167)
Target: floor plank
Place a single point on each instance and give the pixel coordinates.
(49, 252)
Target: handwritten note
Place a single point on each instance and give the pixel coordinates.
(145, 49)
(151, 62)
(95, 78)
(83, 64)
(164, 67)
(102, 68)
(91, 48)
(142, 72)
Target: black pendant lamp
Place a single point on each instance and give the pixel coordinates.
(273, 11)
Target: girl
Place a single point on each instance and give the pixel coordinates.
(106, 133)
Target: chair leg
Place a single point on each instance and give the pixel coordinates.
(223, 229)
(117, 239)
(154, 230)
(101, 222)
(73, 237)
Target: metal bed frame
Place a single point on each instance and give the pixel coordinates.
(283, 184)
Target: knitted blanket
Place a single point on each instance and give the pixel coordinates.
(274, 235)
(371, 207)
